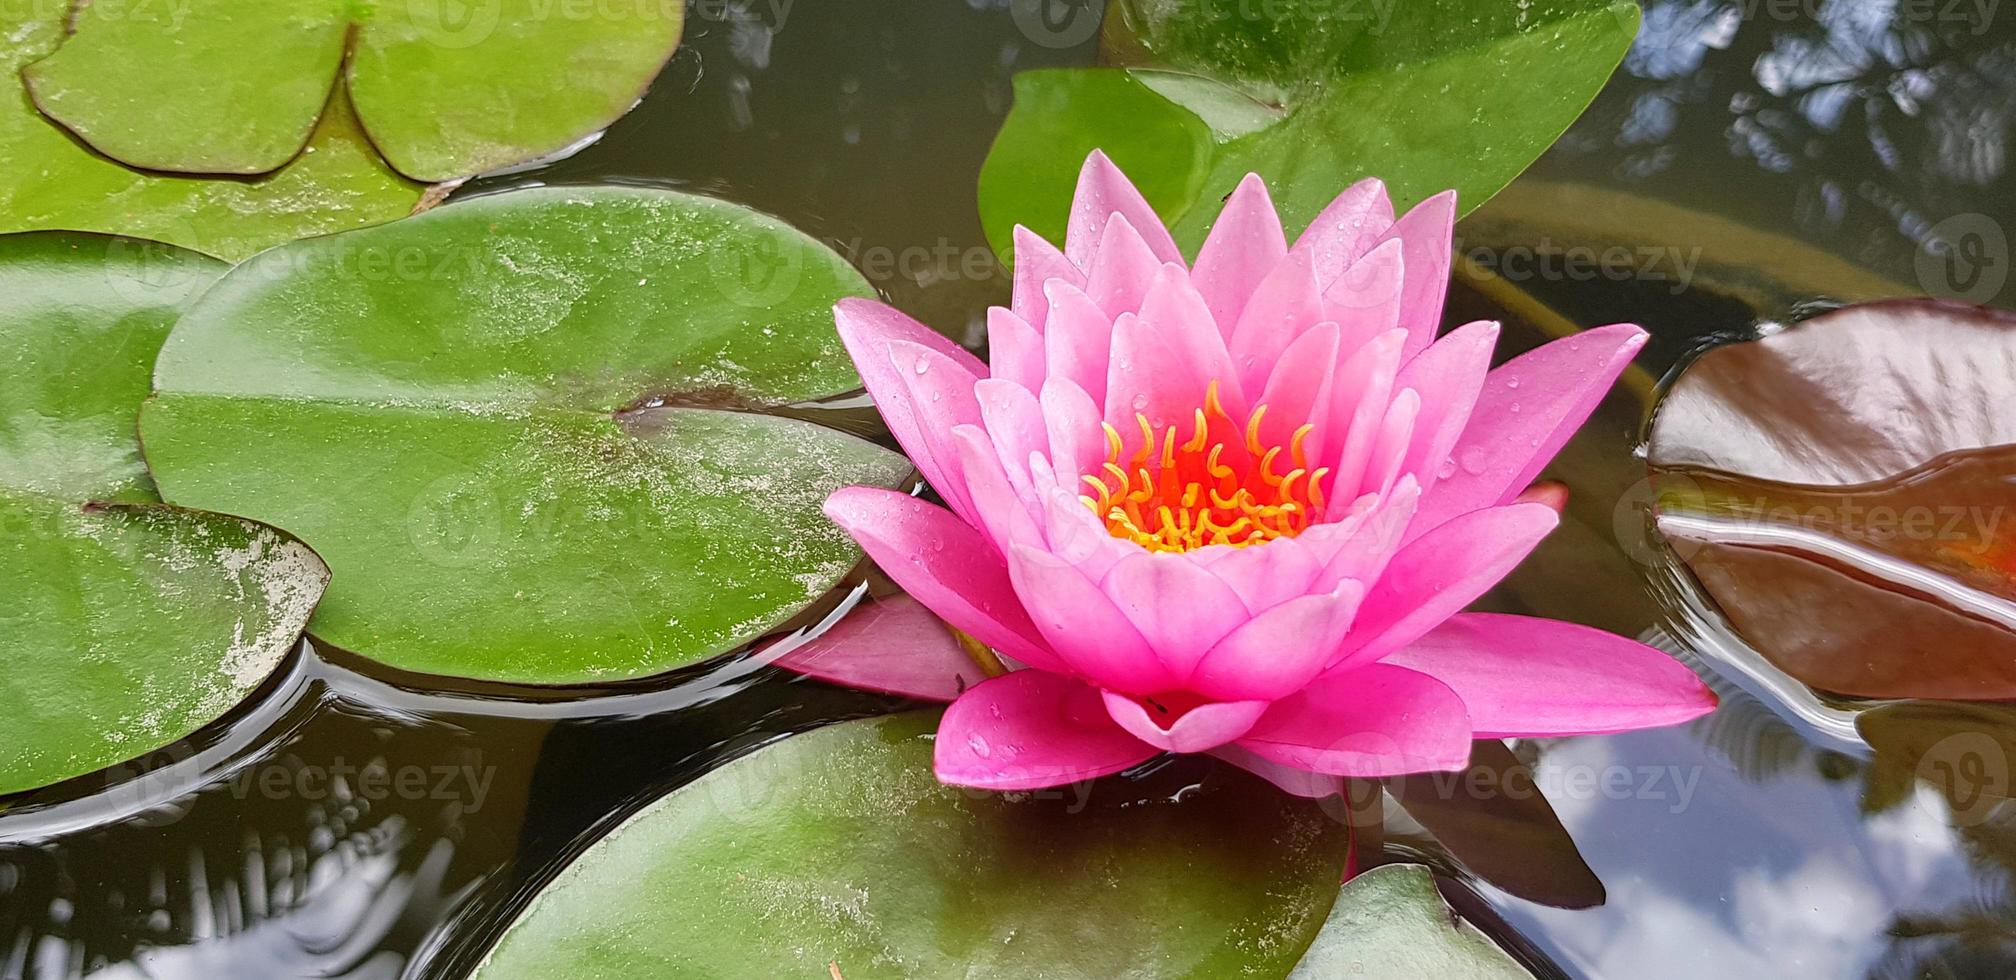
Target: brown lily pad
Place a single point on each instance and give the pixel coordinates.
(1845, 492)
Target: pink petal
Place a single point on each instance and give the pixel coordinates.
(1180, 609)
(1359, 547)
(868, 329)
(1031, 729)
(1120, 275)
(1164, 361)
(1349, 225)
(1005, 515)
(1360, 393)
(1374, 721)
(1438, 574)
(1280, 651)
(1081, 539)
(1290, 780)
(1014, 349)
(941, 395)
(1077, 339)
(1298, 391)
(1554, 388)
(1262, 577)
(1396, 433)
(1104, 192)
(1037, 262)
(1449, 375)
(1425, 233)
(1286, 303)
(862, 322)
(1365, 301)
(943, 562)
(1083, 626)
(893, 645)
(1071, 418)
(1244, 245)
(1014, 421)
(1201, 728)
(1522, 676)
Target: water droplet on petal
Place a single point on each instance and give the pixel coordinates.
(1447, 470)
(923, 364)
(979, 745)
(1513, 408)
(1140, 403)
(1512, 383)
(1473, 461)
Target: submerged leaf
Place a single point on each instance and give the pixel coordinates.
(1390, 924)
(1840, 490)
(1493, 818)
(480, 417)
(128, 625)
(53, 182)
(838, 852)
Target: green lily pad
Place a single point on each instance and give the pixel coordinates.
(837, 853)
(219, 86)
(124, 625)
(1425, 95)
(518, 428)
(337, 183)
(1391, 924)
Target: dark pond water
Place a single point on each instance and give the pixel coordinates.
(1753, 161)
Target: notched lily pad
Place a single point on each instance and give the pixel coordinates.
(53, 182)
(124, 626)
(222, 86)
(837, 852)
(1845, 492)
(1391, 924)
(474, 416)
(1426, 95)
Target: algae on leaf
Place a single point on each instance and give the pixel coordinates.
(486, 419)
(125, 625)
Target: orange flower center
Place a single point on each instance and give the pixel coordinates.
(1210, 488)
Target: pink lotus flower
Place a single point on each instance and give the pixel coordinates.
(1238, 506)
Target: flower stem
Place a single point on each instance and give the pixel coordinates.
(983, 657)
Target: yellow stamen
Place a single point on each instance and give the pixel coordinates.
(1175, 494)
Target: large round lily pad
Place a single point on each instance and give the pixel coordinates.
(838, 853)
(1427, 95)
(52, 181)
(124, 625)
(487, 419)
(1842, 488)
(445, 91)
